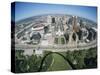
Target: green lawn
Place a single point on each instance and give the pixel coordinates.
(62, 41)
(56, 41)
(55, 62)
(59, 63)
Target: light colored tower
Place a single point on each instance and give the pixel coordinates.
(49, 19)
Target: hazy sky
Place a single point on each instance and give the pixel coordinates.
(24, 10)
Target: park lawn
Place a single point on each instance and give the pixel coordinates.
(59, 63)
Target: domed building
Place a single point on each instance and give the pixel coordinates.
(59, 33)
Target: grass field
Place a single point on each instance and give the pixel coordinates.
(59, 63)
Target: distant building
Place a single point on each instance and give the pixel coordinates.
(53, 20)
(49, 19)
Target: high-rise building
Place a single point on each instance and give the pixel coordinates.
(74, 23)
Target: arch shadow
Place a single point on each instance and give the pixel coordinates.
(69, 62)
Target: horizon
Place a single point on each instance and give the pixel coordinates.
(25, 10)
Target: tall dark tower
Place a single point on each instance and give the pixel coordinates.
(53, 20)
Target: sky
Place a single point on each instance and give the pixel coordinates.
(24, 10)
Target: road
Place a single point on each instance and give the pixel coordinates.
(55, 48)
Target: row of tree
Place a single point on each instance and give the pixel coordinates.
(83, 59)
(25, 63)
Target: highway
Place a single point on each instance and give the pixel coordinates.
(55, 48)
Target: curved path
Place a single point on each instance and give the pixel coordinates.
(67, 60)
